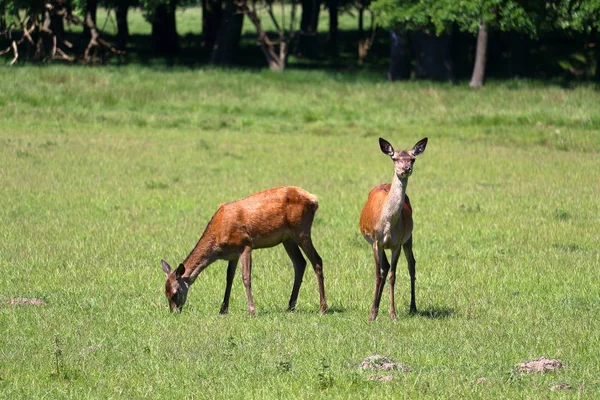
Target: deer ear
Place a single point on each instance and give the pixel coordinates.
(165, 267)
(386, 147)
(419, 147)
(180, 271)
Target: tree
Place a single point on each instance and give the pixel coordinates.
(228, 35)
(121, 8)
(164, 28)
(425, 24)
(474, 16)
(479, 16)
(332, 38)
(90, 8)
(399, 68)
(365, 38)
(212, 13)
(2, 16)
(309, 23)
(577, 16)
(276, 51)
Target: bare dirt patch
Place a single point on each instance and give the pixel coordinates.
(380, 378)
(377, 362)
(22, 301)
(91, 348)
(381, 363)
(542, 364)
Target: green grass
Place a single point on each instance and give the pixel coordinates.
(103, 172)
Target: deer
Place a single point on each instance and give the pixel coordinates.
(386, 223)
(281, 215)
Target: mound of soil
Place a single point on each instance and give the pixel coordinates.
(21, 301)
(377, 362)
(542, 364)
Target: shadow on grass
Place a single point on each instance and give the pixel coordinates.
(281, 311)
(435, 313)
(335, 310)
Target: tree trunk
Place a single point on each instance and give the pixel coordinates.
(212, 13)
(433, 56)
(91, 8)
(57, 24)
(480, 57)
(308, 44)
(228, 37)
(164, 29)
(597, 72)
(365, 39)
(361, 34)
(399, 57)
(333, 27)
(121, 9)
(519, 64)
(2, 16)
(310, 15)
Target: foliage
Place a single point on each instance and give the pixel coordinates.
(505, 15)
(467, 14)
(575, 15)
(427, 15)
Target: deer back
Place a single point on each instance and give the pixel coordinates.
(263, 219)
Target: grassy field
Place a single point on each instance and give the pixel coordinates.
(104, 171)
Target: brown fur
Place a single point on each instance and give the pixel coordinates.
(386, 223)
(370, 216)
(265, 219)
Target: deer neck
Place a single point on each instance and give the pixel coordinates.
(200, 257)
(392, 208)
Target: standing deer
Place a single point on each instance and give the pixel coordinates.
(386, 223)
(265, 219)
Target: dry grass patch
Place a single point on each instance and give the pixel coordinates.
(22, 301)
(562, 386)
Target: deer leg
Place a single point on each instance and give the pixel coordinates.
(410, 259)
(231, 267)
(395, 256)
(317, 263)
(382, 266)
(246, 259)
(299, 266)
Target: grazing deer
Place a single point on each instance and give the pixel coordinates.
(386, 223)
(265, 219)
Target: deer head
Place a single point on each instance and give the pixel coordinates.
(405, 159)
(176, 287)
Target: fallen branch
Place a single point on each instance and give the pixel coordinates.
(64, 56)
(41, 28)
